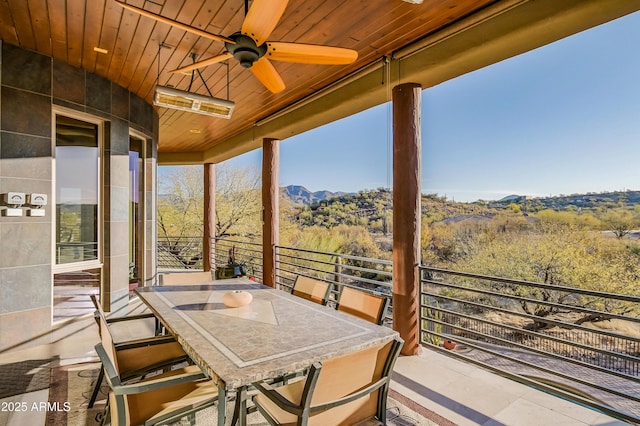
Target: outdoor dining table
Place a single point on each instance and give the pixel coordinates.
(275, 335)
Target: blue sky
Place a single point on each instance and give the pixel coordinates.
(562, 119)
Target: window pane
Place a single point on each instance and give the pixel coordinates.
(77, 159)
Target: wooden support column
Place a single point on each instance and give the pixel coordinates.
(208, 244)
(270, 208)
(406, 214)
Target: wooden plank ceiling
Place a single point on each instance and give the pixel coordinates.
(68, 30)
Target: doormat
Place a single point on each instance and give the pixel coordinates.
(24, 377)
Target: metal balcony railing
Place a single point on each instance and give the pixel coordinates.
(180, 252)
(371, 275)
(247, 252)
(580, 344)
(68, 252)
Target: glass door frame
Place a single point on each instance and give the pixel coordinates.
(86, 264)
(141, 249)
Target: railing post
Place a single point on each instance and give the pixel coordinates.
(406, 214)
(209, 216)
(338, 269)
(276, 284)
(338, 280)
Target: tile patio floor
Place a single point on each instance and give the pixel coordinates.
(454, 390)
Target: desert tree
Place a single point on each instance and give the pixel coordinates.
(181, 205)
(618, 221)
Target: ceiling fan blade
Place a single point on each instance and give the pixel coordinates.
(176, 24)
(204, 63)
(310, 53)
(267, 74)
(262, 18)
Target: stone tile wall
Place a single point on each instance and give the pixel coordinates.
(30, 86)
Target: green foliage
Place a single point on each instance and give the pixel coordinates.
(523, 240)
(366, 208)
(558, 253)
(619, 221)
(343, 239)
(590, 200)
(432, 311)
(514, 208)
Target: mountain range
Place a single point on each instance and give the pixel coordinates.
(588, 200)
(298, 194)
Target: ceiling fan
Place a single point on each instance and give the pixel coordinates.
(251, 48)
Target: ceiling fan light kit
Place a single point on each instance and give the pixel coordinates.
(170, 97)
(245, 49)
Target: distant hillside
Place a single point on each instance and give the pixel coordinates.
(371, 208)
(298, 194)
(510, 198)
(589, 200)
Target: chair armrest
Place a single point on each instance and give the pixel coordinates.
(351, 397)
(159, 383)
(147, 341)
(129, 318)
(277, 398)
(153, 367)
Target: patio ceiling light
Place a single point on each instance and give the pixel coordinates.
(169, 97)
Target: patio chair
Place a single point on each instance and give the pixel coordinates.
(363, 305)
(311, 289)
(186, 278)
(342, 391)
(138, 357)
(124, 319)
(158, 399)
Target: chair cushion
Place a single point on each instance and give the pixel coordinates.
(138, 358)
(310, 289)
(344, 415)
(151, 406)
(360, 304)
(186, 278)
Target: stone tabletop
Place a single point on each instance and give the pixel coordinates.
(276, 334)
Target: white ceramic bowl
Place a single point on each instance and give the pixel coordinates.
(237, 298)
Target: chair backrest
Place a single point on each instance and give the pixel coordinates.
(98, 306)
(362, 378)
(186, 278)
(106, 350)
(106, 339)
(363, 305)
(311, 289)
(94, 300)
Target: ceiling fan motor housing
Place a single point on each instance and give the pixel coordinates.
(245, 50)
